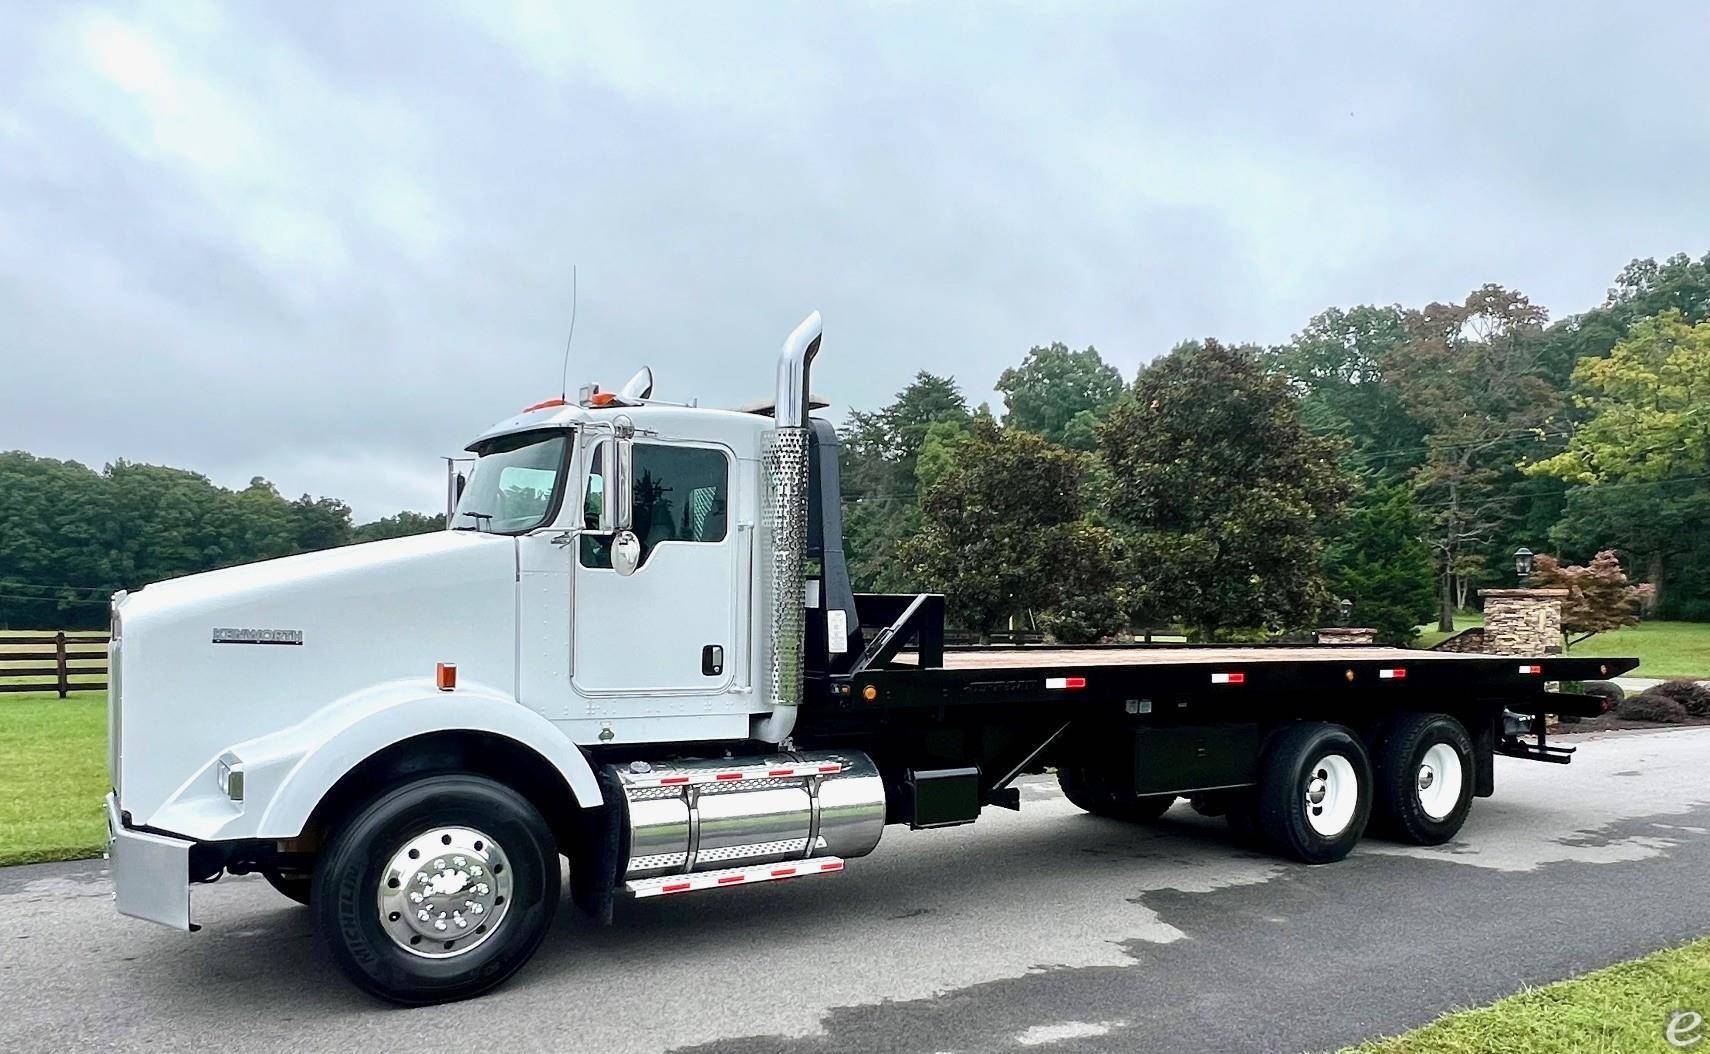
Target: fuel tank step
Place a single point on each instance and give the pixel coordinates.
(731, 876)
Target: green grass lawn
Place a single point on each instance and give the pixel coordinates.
(53, 776)
(1664, 649)
(1626, 1007)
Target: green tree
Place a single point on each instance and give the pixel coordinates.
(1060, 394)
(401, 525)
(877, 454)
(1656, 525)
(1647, 407)
(1642, 454)
(1218, 491)
(992, 522)
(1339, 365)
(1642, 289)
(1475, 375)
(1377, 561)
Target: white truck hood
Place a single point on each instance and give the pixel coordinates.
(215, 659)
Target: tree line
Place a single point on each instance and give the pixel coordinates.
(70, 536)
(1389, 456)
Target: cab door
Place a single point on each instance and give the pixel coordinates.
(669, 628)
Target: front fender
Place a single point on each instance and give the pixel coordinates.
(287, 773)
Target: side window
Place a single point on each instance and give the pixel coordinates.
(680, 494)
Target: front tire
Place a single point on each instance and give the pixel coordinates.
(1315, 792)
(437, 891)
(1424, 778)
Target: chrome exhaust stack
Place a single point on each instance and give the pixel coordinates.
(784, 504)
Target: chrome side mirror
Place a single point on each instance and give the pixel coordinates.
(626, 553)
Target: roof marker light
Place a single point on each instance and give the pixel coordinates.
(544, 404)
(602, 398)
(1397, 674)
(1237, 677)
(1065, 683)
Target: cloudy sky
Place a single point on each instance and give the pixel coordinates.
(327, 247)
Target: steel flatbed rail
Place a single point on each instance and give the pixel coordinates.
(1039, 674)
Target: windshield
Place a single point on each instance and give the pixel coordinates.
(513, 485)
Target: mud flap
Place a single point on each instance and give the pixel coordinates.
(599, 853)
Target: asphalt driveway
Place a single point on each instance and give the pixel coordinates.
(1046, 929)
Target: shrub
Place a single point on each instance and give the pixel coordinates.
(1693, 697)
(1650, 706)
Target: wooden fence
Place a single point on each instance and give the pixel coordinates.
(48, 662)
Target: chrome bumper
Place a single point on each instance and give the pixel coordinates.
(151, 872)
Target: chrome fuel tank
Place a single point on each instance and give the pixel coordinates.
(699, 815)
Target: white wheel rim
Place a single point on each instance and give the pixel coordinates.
(1332, 794)
(1439, 780)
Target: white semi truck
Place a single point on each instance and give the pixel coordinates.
(636, 648)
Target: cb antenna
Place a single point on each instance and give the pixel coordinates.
(564, 376)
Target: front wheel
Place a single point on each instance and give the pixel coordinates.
(1424, 778)
(1314, 793)
(438, 890)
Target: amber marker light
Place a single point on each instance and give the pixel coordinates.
(445, 675)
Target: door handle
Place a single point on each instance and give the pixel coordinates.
(712, 660)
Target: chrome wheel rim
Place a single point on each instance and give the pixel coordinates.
(1439, 781)
(1332, 794)
(444, 892)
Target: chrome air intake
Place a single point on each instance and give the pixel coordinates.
(784, 459)
(688, 816)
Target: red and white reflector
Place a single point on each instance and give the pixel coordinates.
(1399, 673)
(1234, 677)
(1532, 668)
(669, 778)
(1065, 683)
(731, 876)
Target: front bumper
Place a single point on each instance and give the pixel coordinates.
(151, 872)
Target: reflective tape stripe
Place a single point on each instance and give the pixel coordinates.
(730, 876)
(1229, 678)
(1061, 683)
(1397, 674)
(1531, 669)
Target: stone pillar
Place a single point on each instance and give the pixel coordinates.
(1523, 621)
(1347, 635)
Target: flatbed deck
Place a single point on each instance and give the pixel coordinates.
(983, 675)
(1166, 655)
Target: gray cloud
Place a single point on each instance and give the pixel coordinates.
(326, 246)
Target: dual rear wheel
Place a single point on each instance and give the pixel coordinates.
(1319, 786)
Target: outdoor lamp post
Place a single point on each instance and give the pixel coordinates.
(1345, 608)
(1523, 563)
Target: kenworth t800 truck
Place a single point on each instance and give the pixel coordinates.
(636, 649)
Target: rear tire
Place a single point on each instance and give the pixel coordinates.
(1091, 791)
(1424, 775)
(1315, 792)
(438, 890)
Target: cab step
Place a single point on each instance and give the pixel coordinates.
(732, 876)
